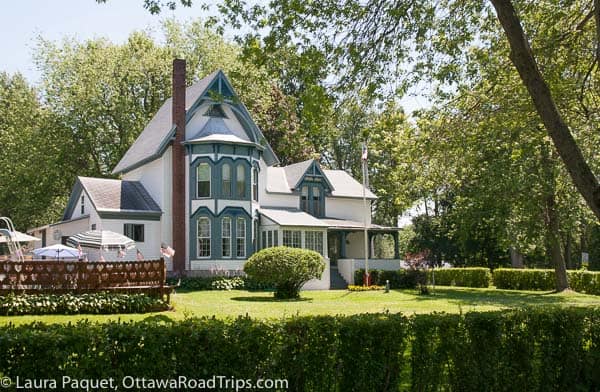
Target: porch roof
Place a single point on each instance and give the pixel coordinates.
(291, 217)
(342, 224)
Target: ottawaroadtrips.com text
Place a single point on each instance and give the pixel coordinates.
(131, 382)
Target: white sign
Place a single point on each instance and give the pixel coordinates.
(585, 257)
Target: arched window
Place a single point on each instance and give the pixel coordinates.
(203, 180)
(203, 237)
(241, 181)
(255, 184)
(226, 180)
(226, 237)
(240, 228)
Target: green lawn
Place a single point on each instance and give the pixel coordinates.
(261, 305)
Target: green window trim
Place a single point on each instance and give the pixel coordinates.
(204, 237)
(238, 189)
(236, 214)
(226, 227)
(226, 184)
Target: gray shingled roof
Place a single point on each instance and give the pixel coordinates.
(353, 225)
(294, 172)
(283, 179)
(344, 185)
(156, 133)
(152, 141)
(118, 195)
(291, 217)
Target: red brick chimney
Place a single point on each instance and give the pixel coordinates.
(178, 155)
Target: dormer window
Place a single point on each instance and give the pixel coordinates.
(216, 110)
(316, 199)
(304, 199)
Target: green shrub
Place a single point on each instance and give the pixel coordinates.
(94, 303)
(287, 269)
(228, 283)
(585, 281)
(196, 283)
(524, 279)
(538, 349)
(400, 279)
(218, 282)
(545, 279)
(464, 277)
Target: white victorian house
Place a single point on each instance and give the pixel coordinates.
(202, 178)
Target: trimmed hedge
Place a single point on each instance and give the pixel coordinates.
(464, 277)
(410, 278)
(549, 349)
(400, 279)
(544, 279)
(93, 303)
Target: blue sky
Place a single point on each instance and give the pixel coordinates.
(21, 21)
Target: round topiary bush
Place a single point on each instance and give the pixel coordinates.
(284, 268)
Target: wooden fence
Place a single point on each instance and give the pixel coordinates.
(56, 276)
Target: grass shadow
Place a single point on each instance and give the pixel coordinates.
(493, 297)
(269, 299)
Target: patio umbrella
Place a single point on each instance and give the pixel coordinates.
(101, 239)
(17, 236)
(57, 251)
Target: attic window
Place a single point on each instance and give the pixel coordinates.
(215, 111)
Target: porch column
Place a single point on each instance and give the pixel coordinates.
(396, 246)
(371, 235)
(342, 244)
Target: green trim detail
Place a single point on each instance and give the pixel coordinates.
(216, 191)
(215, 232)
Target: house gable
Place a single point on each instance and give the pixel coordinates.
(112, 199)
(159, 132)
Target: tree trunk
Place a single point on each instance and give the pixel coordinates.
(552, 230)
(551, 219)
(568, 252)
(516, 258)
(523, 59)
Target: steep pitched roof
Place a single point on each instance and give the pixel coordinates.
(344, 185)
(294, 172)
(285, 179)
(157, 134)
(108, 195)
(150, 143)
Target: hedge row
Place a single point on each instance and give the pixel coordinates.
(94, 303)
(503, 278)
(400, 279)
(544, 279)
(465, 277)
(548, 349)
(409, 278)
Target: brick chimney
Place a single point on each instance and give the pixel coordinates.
(178, 155)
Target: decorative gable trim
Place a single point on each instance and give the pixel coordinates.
(314, 173)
